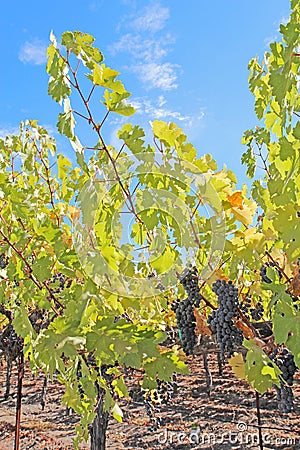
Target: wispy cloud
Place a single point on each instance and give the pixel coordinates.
(94, 5)
(152, 18)
(269, 39)
(275, 37)
(33, 52)
(150, 109)
(8, 130)
(154, 75)
(156, 109)
(149, 47)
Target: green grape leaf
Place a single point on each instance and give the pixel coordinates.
(22, 324)
(280, 84)
(287, 326)
(165, 261)
(116, 102)
(42, 267)
(260, 371)
(66, 122)
(133, 138)
(120, 387)
(106, 77)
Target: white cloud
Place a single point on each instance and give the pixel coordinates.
(94, 5)
(33, 52)
(155, 109)
(152, 18)
(154, 75)
(8, 130)
(143, 49)
(149, 49)
(269, 39)
(284, 20)
(275, 37)
(161, 101)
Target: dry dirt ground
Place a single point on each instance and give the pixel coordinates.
(191, 420)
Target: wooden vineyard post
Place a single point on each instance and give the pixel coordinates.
(19, 400)
(259, 421)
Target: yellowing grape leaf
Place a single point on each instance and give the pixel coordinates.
(246, 214)
(162, 349)
(220, 275)
(246, 330)
(237, 365)
(201, 327)
(74, 213)
(236, 200)
(117, 413)
(295, 283)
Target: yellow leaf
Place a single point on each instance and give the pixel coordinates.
(246, 215)
(295, 283)
(117, 412)
(74, 213)
(236, 200)
(201, 328)
(247, 332)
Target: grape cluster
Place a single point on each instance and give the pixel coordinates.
(285, 362)
(79, 380)
(59, 279)
(189, 280)
(102, 369)
(221, 319)
(186, 323)
(90, 360)
(39, 319)
(166, 390)
(263, 275)
(245, 307)
(137, 394)
(161, 395)
(10, 343)
(184, 310)
(123, 316)
(257, 312)
(285, 398)
(3, 261)
(263, 272)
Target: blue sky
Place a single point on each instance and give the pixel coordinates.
(182, 61)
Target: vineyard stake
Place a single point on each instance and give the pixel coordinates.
(19, 400)
(259, 421)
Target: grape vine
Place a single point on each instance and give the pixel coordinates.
(75, 298)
